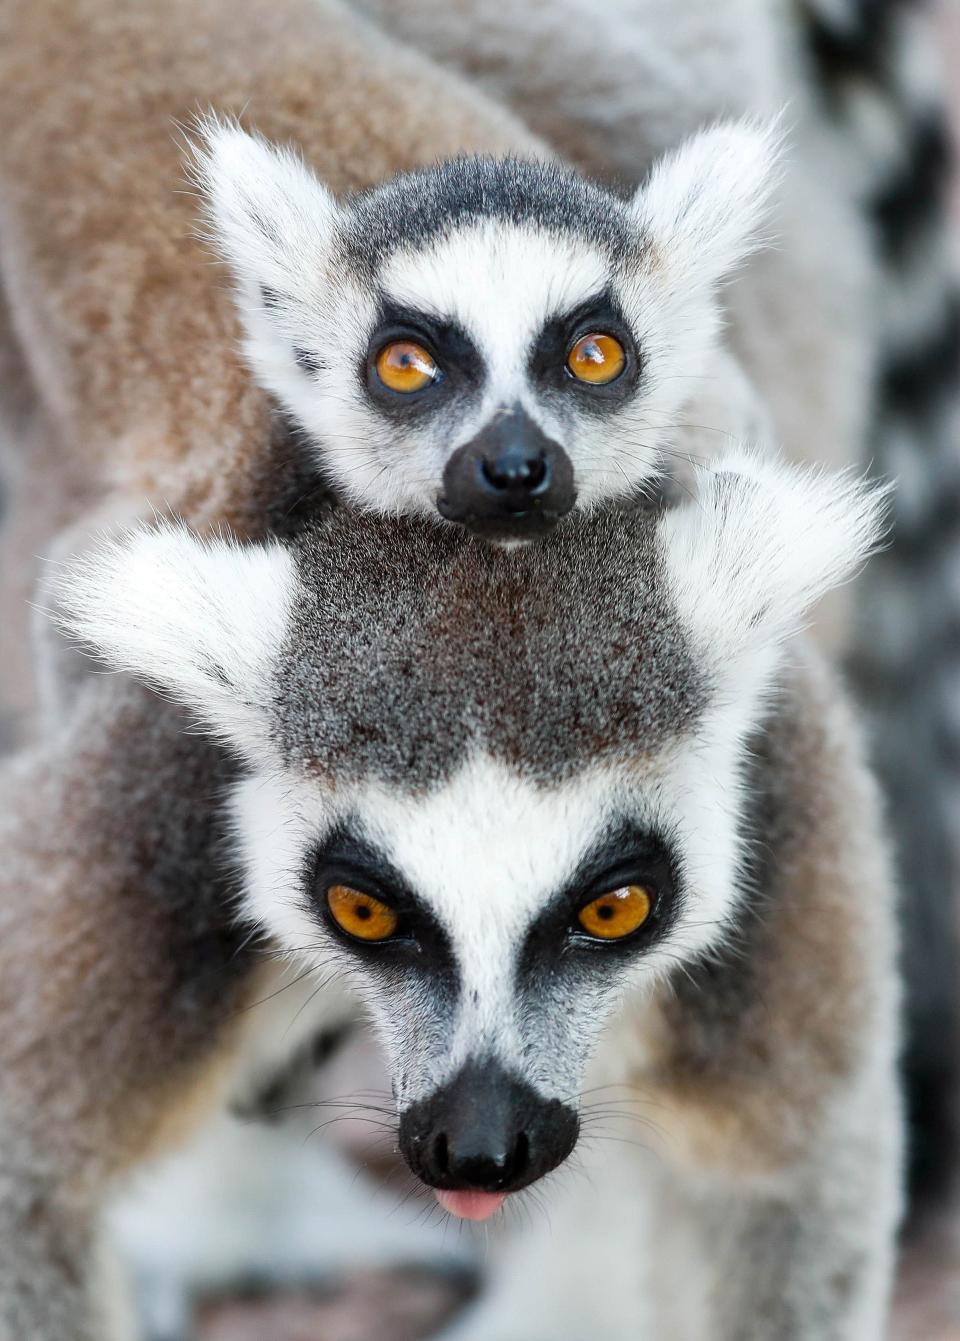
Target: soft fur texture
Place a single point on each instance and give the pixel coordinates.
(120, 339)
(500, 253)
(223, 607)
(488, 838)
(129, 391)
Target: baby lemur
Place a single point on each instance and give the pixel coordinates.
(643, 836)
(493, 340)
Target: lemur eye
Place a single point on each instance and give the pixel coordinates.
(405, 366)
(360, 914)
(616, 914)
(597, 358)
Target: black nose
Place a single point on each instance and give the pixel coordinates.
(517, 471)
(486, 1131)
(510, 481)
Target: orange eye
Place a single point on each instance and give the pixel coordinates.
(617, 914)
(597, 358)
(405, 366)
(360, 914)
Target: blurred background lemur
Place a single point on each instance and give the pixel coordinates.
(839, 342)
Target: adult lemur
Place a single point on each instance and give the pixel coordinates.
(640, 837)
(125, 967)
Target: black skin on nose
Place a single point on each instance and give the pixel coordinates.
(509, 482)
(486, 1131)
(517, 470)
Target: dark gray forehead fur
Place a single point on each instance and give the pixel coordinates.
(412, 642)
(417, 207)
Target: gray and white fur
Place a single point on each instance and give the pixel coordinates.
(488, 739)
(495, 268)
(874, 78)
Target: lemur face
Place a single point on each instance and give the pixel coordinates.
(491, 342)
(489, 923)
(497, 789)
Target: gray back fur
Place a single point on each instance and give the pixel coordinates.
(410, 644)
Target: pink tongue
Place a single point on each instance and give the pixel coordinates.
(471, 1205)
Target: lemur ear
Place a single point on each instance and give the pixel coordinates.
(703, 205)
(270, 216)
(759, 543)
(200, 620)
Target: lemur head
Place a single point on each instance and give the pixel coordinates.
(497, 788)
(490, 341)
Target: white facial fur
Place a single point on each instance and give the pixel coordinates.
(474, 868)
(487, 849)
(501, 280)
(487, 853)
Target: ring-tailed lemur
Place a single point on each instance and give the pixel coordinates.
(493, 340)
(643, 832)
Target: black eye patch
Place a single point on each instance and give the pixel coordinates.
(548, 360)
(625, 855)
(461, 370)
(347, 857)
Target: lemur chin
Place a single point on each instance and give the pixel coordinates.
(488, 341)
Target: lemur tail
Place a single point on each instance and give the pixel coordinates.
(872, 68)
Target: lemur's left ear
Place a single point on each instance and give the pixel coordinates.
(200, 620)
(758, 543)
(271, 217)
(703, 205)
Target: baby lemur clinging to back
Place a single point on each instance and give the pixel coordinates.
(490, 340)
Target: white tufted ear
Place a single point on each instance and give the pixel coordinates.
(201, 620)
(703, 205)
(758, 544)
(271, 217)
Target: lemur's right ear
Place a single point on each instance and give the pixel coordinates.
(201, 620)
(270, 216)
(703, 205)
(759, 542)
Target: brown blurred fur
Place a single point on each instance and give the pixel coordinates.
(749, 1054)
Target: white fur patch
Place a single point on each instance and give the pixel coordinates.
(276, 820)
(501, 283)
(703, 205)
(271, 216)
(488, 852)
(202, 620)
(759, 544)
